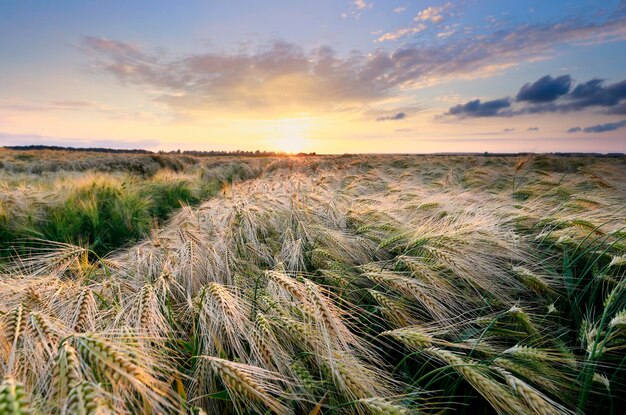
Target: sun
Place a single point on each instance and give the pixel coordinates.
(291, 144)
(290, 135)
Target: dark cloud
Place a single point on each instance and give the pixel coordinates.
(593, 93)
(601, 128)
(476, 108)
(545, 89)
(618, 109)
(532, 129)
(395, 117)
(284, 76)
(508, 130)
(548, 95)
(590, 94)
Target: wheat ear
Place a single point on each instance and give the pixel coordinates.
(250, 384)
(85, 399)
(13, 399)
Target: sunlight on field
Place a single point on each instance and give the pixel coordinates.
(360, 284)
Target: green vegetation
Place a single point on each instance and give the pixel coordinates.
(102, 211)
(328, 285)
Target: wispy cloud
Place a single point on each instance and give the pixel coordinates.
(433, 13)
(395, 117)
(445, 34)
(62, 105)
(284, 76)
(400, 33)
(361, 4)
(619, 109)
(77, 106)
(9, 139)
(599, 128)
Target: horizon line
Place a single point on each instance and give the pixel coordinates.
(267, 153)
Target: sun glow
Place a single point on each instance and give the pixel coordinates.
(291, 135)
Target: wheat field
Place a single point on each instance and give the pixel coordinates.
(363, 284)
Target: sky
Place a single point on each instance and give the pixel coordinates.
(325, 76)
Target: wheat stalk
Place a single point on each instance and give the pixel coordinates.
(412, 289)
(251, 385)
(523, 320)
(499, 398)
(532, 374)
(14, 326)
(532, 280)
(380, 406)
(542, 355)
(13, 399)
(83, 315)
(536, 401)
(394, 311)
(66, 372)
(86, 399)
(42, 328)
(114, 362)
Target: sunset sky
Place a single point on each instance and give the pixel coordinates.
(329, 76)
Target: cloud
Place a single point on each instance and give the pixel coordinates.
(284, 77)
(594, 93)
(399, 9)
(280, 76)
(476, 108)
(433, 14)
(361, 4)
(79, 106)
(63, 105)
(549, 95)
(545, 89)
(9, 139)
(395, 117)
(445, 34)
(590, 94)
(508, 130)
(400, 33)
(532, 129)
(601, 128)
(619, 109)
